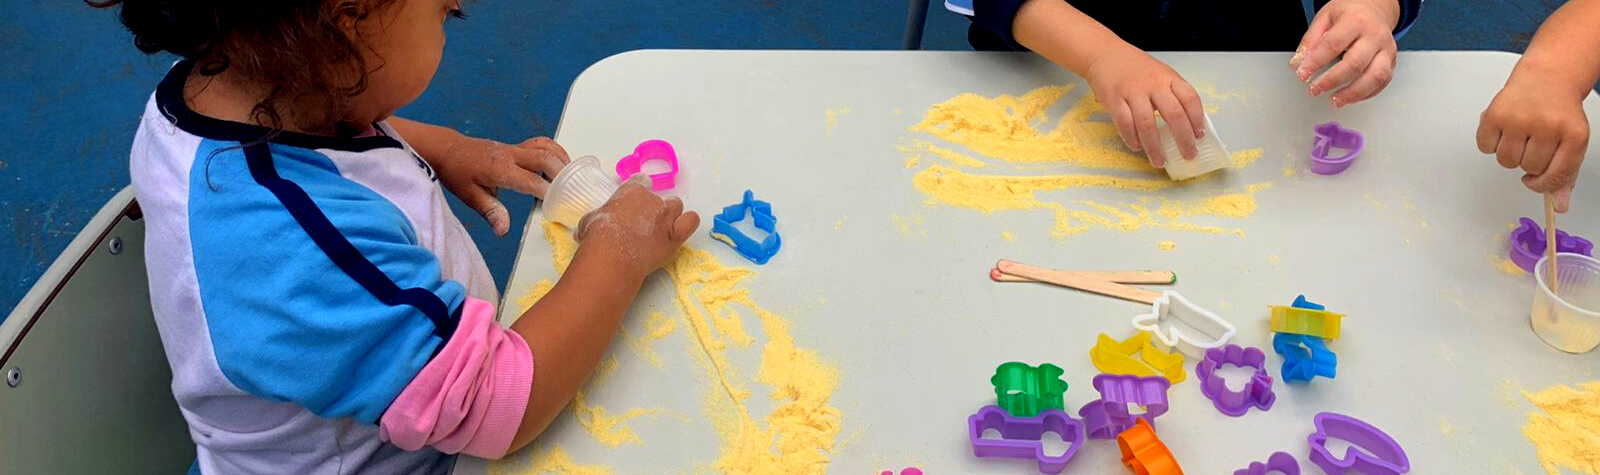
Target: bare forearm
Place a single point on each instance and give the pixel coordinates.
(1063, 34)
(568, 331)
(1565, 53)
(430, 141)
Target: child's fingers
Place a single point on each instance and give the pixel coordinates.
(538, 159)
(523, 181)
(1177, 123)
(1536, 155)
(1563, 198)
(1122, 116)
(1488, 133)
(684, 226)
(1321, 54)
(1191, 106)
(1509, 152)
(671, 207)
(489, 207)
(1144, 122)
(1347, 70)
(545, 143)
(1561, 172)
(1371, 82)
(1318, 27)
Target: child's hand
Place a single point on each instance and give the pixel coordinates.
(1362, 32)
(475, 169)
(1132, 86)
(636, 231)
(1542, 131)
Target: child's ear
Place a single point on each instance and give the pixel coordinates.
(347, 13)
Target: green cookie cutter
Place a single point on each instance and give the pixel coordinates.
(1025, 390)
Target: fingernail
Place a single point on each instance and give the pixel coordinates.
(1199, 133)
(1314, 91)
(1303, 74)
(1337, 103)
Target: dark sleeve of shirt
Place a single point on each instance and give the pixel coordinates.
(996, 17)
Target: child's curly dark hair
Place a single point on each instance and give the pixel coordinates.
(301, 48)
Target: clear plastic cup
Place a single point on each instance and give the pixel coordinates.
(582, 186)
(1569, 318)
(1212, 154)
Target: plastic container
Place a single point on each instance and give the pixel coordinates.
(1568, 319)
(581, 187)
(1212, 154)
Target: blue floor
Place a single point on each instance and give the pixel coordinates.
(73, 86)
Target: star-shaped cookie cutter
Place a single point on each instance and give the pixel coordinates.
(760, 213)
(1256, 393)
(1172, 311)
(1137, 356)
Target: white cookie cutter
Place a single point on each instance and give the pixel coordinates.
(1173, 318)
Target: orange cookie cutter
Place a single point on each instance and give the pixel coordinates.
(1144, 453)
(1304, 321)
(1137, 356)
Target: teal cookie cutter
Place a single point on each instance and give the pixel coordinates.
(1024, 390)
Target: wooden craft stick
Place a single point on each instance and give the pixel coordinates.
(1155, 277)
(1079, 282)
(1550, 238)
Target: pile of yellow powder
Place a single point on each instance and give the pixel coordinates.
(1567, 430)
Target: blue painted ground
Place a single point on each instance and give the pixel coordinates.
(73, 86)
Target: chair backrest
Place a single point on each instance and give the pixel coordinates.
(916, 20)
(87, 387)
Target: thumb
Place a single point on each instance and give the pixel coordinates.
(489, 207)
(1563, 198)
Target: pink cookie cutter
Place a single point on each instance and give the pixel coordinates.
(649, 150)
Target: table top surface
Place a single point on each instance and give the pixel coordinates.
(883, 275)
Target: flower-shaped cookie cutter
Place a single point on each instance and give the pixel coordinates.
(1305, 357)
(1144, 453)
(1528, 244)
(1113, 413)
(656, 150)
(1179, 324)
(760, 213)
(1137, 356)
(1257, 392)
(1371, 451)
(1330, 136)
(1025, 391)
(1280, 462)
(1020, 436)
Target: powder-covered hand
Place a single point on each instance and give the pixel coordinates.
(1538, 128)
(1360, 35)
(476, 169)
(1132, 86)
(636, 231)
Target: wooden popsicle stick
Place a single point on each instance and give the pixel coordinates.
(1154, 277)
(1550, 238)
(1079, 282)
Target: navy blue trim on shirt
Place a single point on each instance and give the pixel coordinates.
(169, 97)
(338, 248)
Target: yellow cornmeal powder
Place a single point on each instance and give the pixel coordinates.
(837, 225)
(1245, 158)
(909, 225)
(562, 246)
(1004, 128)
(607, 429)
(912, 162)
(552, 461)
(1566, 432)
(1288, 171)
(955, 158)
(657, 326)
(526, 299)
(1505, 266)
(1167, 245)
(833, 116)
(1008, 236)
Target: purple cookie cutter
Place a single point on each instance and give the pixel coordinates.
(1019, 436)
(1371, 451)
(1257, 392)
(1108, 416)
(1331, 136)
(648, 150)
(1280, 462)
(1528, 244)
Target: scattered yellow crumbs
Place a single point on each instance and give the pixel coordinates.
(1008, 236)
(1566, 429)
(797, 436)
(1506, 266)
(1288, 171)
(833, 116)
(909, 225)
(913, 161)
(1273, 258)
(1379, 205)
(1225, 306)
(657, 327)
(1167, 245)
(1447, 429)
(1007, 128)
(526, 299)
(837, 225)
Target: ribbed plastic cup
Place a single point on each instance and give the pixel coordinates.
(581, 187)
(1569, 318)
(1213, 155)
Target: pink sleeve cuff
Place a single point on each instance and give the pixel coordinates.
(470, 398)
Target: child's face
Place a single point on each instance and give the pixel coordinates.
(404, 41)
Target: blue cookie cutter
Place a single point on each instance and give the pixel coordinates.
(1304, 356)
(760, 213)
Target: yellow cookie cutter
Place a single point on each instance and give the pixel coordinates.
(1137, 356)
(1305, 321)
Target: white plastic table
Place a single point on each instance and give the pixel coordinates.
(895, 293)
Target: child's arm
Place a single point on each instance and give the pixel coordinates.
(475, 169)
(1536, 122)
(1130, 85)
(629, 237)
(1360, 35)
